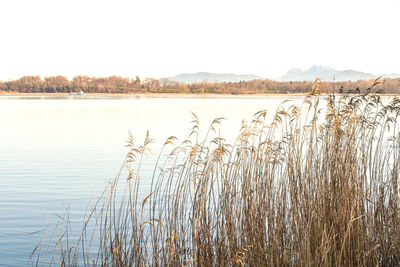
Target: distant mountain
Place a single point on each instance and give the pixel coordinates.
(295, 74)
(199, 77)
(327, 74)
(315, 71)
(351, 75)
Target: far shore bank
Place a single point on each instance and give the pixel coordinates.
(166, 95)
(140, 94)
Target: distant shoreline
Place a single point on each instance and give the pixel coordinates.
(141, 94)
(164, 94)
(60, 85)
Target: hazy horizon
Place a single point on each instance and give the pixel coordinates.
(161, 39)
(277, 78)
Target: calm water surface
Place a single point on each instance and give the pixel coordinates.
(59, 152)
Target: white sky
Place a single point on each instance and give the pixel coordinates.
(160, 38)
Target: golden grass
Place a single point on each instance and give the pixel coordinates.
(317, 185)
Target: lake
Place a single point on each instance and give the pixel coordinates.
(58, 152)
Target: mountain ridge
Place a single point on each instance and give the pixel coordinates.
(325, 73)
(329, 74)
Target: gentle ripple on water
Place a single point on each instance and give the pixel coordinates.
(57, 151)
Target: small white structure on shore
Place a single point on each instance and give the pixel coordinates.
(77, 94)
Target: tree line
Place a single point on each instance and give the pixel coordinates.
(120, 85)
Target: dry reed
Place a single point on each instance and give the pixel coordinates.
(317, 185)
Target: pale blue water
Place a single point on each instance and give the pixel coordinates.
(58, 151)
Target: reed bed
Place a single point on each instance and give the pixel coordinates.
(316, 185)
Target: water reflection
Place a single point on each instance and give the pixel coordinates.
(57, 151)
